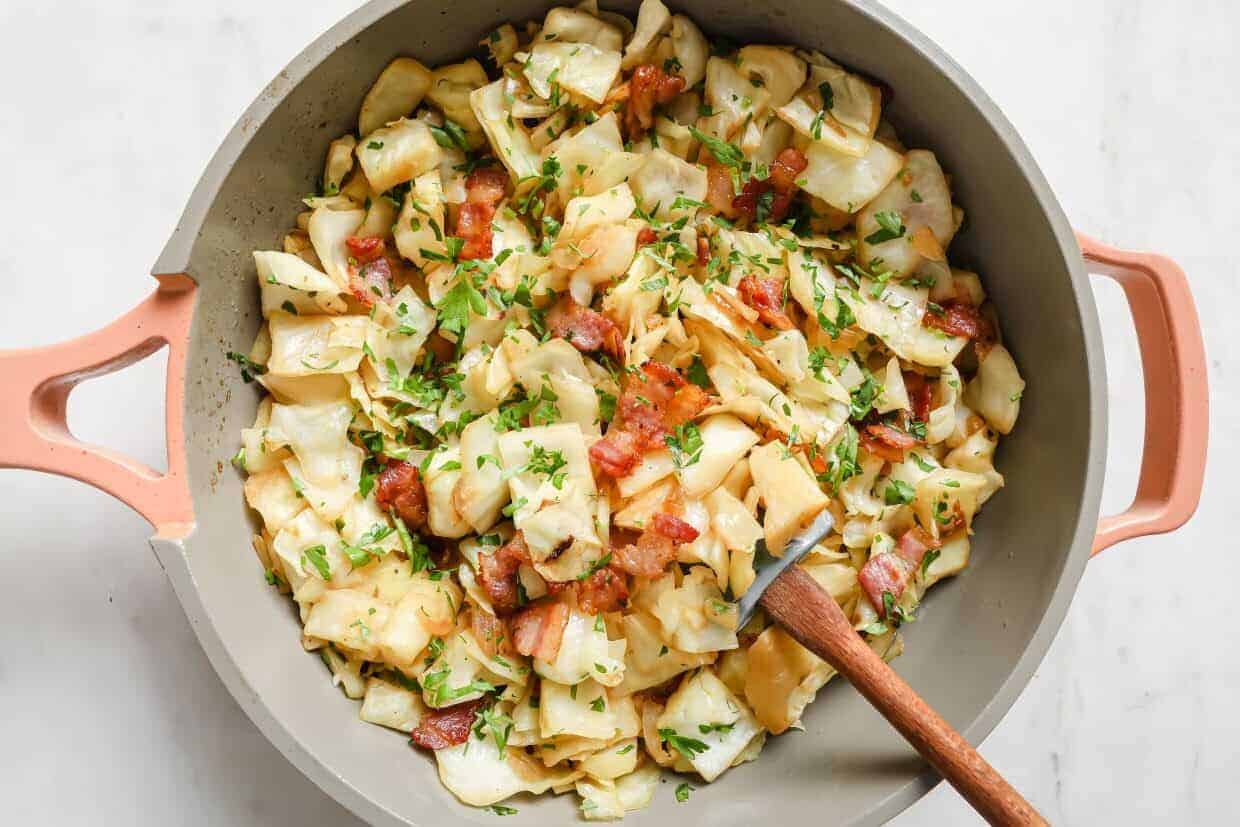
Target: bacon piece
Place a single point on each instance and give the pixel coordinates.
(490, 632)
(719, 191)
(364, 249)
(959, 319)
(371, 281)
(648, 557)
(646, 236)
(585, 329)
(914, 544)
(772, 197)
(616, 454)
(886, 442)
(885, 572)
(674, 528)
(497, 574)
(648, 87)
(400, 488)
(537, 630)
(603, 591)
(473, 224)
(486, 185)
(484, 189)
(787, 165)
(655, 400)
(920, 395)
(447, 727)
(703, 250)
(766, 295)
(688, 402)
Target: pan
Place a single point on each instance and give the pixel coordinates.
(981, 636)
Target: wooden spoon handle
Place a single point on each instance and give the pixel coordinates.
(809, 614)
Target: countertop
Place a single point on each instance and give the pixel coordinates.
(109, 710)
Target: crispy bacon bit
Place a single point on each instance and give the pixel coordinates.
(888, 573)
(486, 185)
(371, 281)
(914, 544)
(648, 87)
(538, 629)
(447, 727)
(886, 442)
(920, 394)
(703, 250)
(490, 632)
(786, 167)
(484, 189)
(400, 487)
(674, 528)
(616, 454)
(770, 199)
(959, 318)
(656, 399)
(648, 557)
(364, 249)
(646, 236)
(585, 329)
(473, 223)
(603, 591)
(497, 574)
(766, 295)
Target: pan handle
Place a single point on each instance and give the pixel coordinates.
(1177, 399)
(37, 383)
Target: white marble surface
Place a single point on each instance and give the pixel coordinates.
(111, 714)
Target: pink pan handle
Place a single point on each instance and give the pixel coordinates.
(1177, 399)
(37, 384)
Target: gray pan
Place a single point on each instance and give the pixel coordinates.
(980, 636)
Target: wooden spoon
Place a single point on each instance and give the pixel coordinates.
(796, 602)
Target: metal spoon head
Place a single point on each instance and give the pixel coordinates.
(768, 567)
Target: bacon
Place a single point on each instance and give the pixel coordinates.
(719, 192)
(364, 249)
(370, 281)
(688, 402)
(775, 193)
(484, 189)
(648, 87)
(914, 544)
(766, 295)
(703, 250)
(486, 185)
(960, 319)
(537, 630)
(886, 442)
(490, 632)
(497, 574)
(920, 394)
(447, 727)
(787, 165)
(884, 573)
(585, 329)
(655, 400)
(473, 224)
(646, 236)
(400, 488)
(674, 528)
(616, 454)
(603, 591)
(648, 557)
